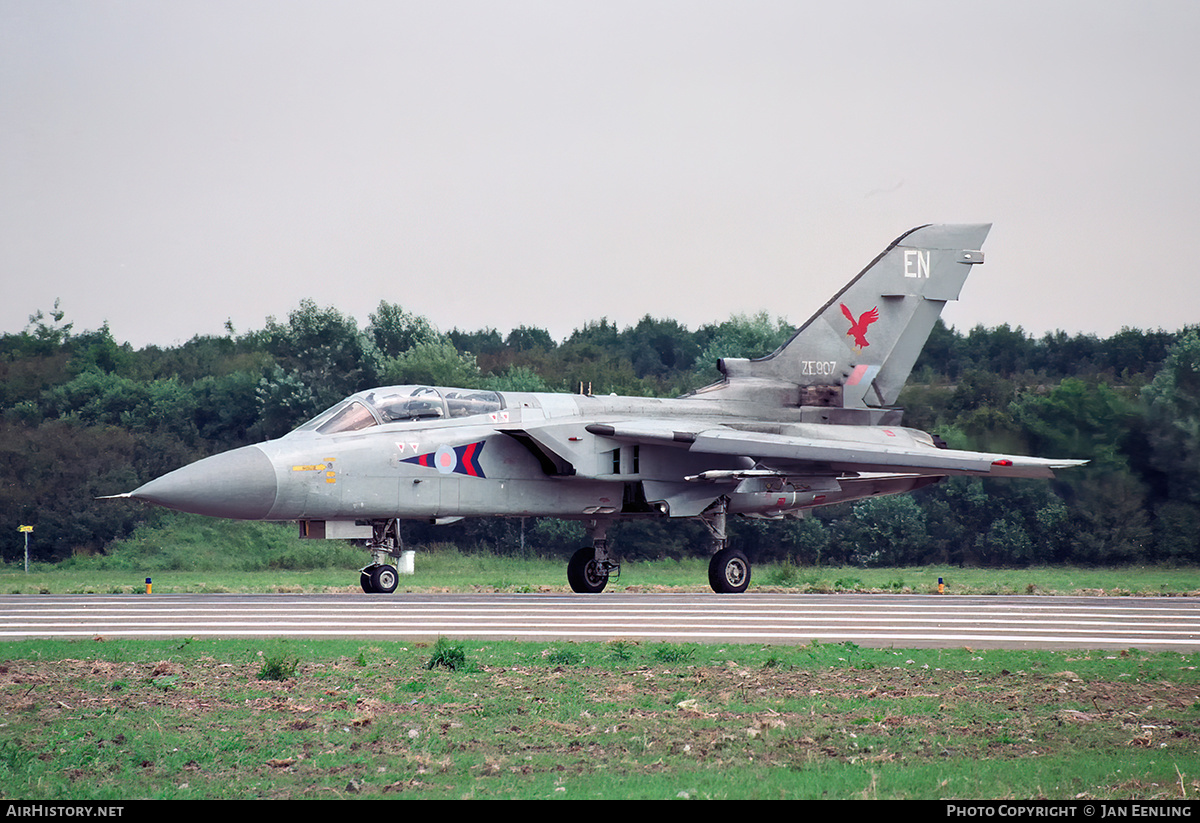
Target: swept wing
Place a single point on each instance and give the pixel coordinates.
(836, 450)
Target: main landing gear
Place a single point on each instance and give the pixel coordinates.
(728, 571)
(590, 567)
(381, 576)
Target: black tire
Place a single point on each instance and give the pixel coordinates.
(364, 580)
(584, 574)
(729, 572)
(384, 579)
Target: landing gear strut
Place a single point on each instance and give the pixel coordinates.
(381, 577)
(590, 567)
(728, 570)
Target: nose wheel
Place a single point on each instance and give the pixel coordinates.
(379, 579)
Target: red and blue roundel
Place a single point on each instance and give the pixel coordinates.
(453, 460)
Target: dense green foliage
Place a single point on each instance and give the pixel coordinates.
(82, 416)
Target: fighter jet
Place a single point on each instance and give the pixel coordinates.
(813, 424)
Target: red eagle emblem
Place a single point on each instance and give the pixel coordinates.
(858, 328)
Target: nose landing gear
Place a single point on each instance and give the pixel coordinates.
(381, 576)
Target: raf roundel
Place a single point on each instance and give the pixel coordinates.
(445, 460)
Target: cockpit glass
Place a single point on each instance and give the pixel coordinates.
(350, 418)
(464, 402)
(403, 404)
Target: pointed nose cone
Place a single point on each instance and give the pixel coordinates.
(238, 484)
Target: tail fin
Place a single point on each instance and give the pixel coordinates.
(858, 350)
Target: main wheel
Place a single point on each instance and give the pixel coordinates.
(729, 572)
(584, 574)
(364, 580)
(383, 579)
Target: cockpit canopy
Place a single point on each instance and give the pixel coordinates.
(402, 404)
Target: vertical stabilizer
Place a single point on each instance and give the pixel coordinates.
(859, 349)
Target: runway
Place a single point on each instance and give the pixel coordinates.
(901, 621)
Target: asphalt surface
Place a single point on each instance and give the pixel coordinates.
(901, 621)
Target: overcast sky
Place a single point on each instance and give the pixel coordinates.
(168, 166)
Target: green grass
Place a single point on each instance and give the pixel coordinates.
(188, 553)
(326, 719)
(192, 719)
(446, 569)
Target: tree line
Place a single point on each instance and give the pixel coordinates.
(82, 416)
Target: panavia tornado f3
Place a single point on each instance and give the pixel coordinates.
(813, 424)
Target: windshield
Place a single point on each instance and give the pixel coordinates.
(402, 404)
(349, 418)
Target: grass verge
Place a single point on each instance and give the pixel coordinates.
(196, 719)
(448, 570)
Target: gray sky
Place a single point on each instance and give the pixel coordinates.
(165, 166)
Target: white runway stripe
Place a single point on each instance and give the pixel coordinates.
(887, 620)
